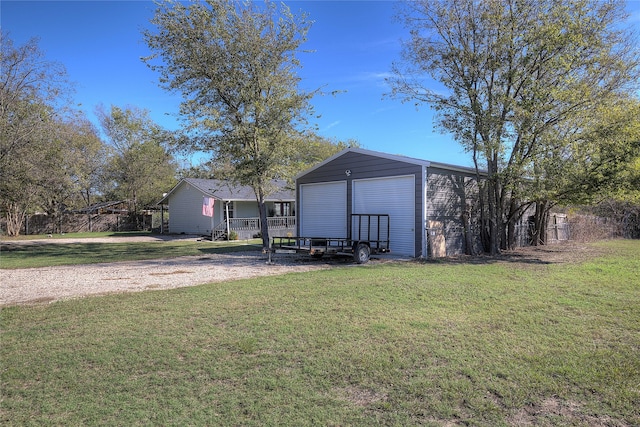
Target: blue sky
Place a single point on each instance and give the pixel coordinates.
(100, 44)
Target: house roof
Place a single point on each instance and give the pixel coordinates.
(225, 190)
(396, 157)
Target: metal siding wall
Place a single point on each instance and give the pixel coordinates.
(323, 209)
(448, 195)
(421, 214)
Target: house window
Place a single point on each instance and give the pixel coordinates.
(282, 208)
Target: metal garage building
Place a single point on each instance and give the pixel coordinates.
(424, 200)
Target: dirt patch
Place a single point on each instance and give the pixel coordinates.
(567, 252)
(554, 410)
(359, 396)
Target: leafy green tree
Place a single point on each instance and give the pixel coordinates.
(140, 166)
(88, 155)
(586, 160)
(310, 149)
(512, 72)
(58, 167)
(307, 149)
(235, 65)
(33, 101)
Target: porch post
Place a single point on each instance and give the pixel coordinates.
(161, 218)
(226, 206)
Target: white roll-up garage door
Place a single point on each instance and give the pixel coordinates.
(394, 196)
(323, 210)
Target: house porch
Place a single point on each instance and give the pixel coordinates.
(249, 228)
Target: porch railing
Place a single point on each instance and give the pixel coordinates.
(275, 222)
(238, 224)
(281, 222)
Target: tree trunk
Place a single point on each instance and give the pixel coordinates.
(510, 238)
(540, 221)
(495, 217)
(468, 237)
(496, 226)
(512, 219)
(264, 225)
(15, 218)
(484, 221)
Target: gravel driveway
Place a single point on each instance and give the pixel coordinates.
(48, 284)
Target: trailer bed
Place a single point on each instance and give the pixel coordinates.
(370, 235)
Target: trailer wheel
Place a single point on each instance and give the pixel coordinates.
(361, 254)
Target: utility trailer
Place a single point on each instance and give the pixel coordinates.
(369, 235)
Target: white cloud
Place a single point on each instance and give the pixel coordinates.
(376, 78)
(330, 125)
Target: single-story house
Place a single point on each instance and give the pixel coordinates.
(234, 209)
(432, 206)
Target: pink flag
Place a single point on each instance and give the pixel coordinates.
(207, 206)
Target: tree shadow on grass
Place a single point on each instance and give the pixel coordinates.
(92, 253)
(535, 255)
(483, 259)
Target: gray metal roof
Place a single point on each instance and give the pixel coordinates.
(396, 157)
(225, 190)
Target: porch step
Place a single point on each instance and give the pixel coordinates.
(219, 235)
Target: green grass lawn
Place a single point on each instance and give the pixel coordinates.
(44, 255)
(449, 343)
(81, 235)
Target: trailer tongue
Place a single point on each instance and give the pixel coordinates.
(369, 235)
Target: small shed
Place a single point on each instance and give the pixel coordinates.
(235, 208)
(430, 205)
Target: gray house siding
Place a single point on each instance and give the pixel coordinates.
(449, 195)
(246, 209)
(353, 165)
(185, 212)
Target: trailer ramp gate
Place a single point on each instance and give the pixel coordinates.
(369, 235)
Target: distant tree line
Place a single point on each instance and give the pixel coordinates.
(54, 160)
